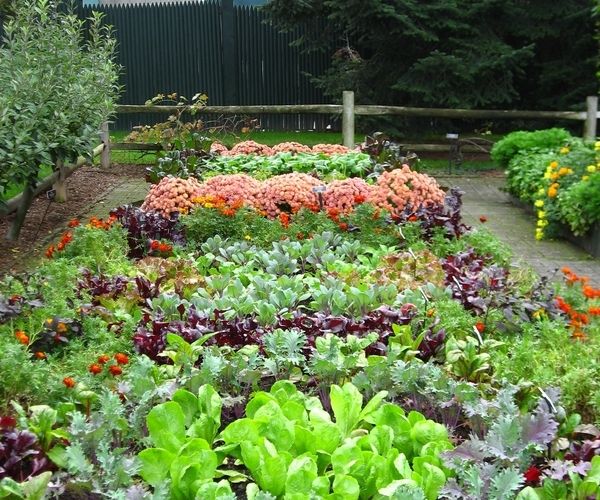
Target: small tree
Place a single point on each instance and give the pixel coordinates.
(58, 84)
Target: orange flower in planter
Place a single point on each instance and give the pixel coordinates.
(69, 382)
(40, 355)
(73, 223)
(22, 337)
(95, 369)
(121, 358)
(115, 370)
(103, 359)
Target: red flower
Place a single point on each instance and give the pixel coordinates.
(154, 245)
(343, 226)
(121, 358)
(8, 421)
(40, 355)
(480, 326)
(164, 248)
(50, 251)
(61, 246)
(284, 219)
(483, 219)
(69, 382)
(532, 475)
(22, 337)
(73, 223)
(103, 359)
(95, 369)
(115, 370)
(359, 198)
(413, 218)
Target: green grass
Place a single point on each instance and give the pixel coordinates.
(441, 166)
(15, 189)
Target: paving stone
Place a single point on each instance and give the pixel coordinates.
(516, 227)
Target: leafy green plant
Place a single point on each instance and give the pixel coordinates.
(291, 446)
(515, 142)
(52, 111)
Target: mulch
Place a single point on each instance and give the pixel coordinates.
(44, 219)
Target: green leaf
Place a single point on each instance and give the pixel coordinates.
(210, 403)
(188, 403)
(58, 455)
(156, 463)
(346, 403)
(166, 425)
(321, 486)
(381, 439)
(529, 494)
(300, 476)
(372, 406)
(275, 426)
(594, 472)
(432, 480)
(35, 487)
(240, 431)
(346, 486)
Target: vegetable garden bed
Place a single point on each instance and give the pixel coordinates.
(295, 336)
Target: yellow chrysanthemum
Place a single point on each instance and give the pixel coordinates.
(539, 235)
(585, 178)
(541, 214)
(553, 164)
(591, 168)
(564, 150)
(539, 203)
(541, 192)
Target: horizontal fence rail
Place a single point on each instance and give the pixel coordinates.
(349, 110)
(362, 110)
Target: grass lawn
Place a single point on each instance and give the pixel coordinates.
(15, 189)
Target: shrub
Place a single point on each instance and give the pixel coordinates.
(505, 149)
(525, 172)
(580, 204)
(232, 189)
(58, 86)
(288, 193)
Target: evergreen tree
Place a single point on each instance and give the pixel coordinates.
(481, 53)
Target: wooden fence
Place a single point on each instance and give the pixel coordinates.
(349, 111)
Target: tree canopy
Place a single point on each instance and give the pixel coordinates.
(482, 53)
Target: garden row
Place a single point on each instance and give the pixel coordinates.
(293, 338)
(556, 174)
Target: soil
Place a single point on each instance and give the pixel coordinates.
(84, 187)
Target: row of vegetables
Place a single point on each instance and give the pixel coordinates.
(293, 338)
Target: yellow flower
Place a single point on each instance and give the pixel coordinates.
(547, 175)
(541, 192)
(541, 223)
(539, 236)
(209, 205)
(564, 150)
(597, 145)
(539, 203)
(248, 237)
(554, 176)
(541, 214)
(585, 178)
(553, 164)
(591, 168)
(540, 313)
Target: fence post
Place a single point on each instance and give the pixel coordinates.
(105, 137)
(348, 118)
(589, 129)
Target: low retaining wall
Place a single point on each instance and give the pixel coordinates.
(589, 242)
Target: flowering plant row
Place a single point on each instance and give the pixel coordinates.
(393, 191)
(562, 183)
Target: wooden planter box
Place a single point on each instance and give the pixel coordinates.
(589, 242)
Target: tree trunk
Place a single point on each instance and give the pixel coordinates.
(15, 228)
(60, 185)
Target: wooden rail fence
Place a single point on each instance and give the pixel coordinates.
(349, 110)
